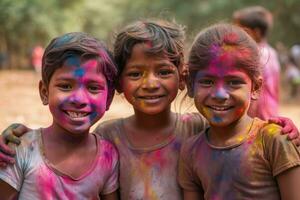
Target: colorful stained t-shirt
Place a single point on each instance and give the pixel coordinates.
(35, 178)
(268, 103)
(150, 173)
(245, 170)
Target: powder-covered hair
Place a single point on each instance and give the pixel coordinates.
(254, 17)
(162, 37)
(82, 46)
(223, 44)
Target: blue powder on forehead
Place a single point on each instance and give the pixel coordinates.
(73, 61)
(79, 72)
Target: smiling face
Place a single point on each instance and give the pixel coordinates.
(77, 95)
(222, 94)
(150, 83)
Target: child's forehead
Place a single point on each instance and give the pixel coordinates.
(220, 71)
(146, 49)
(79, 67)
(77, 61)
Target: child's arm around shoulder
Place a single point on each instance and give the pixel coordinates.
(284, 158)
(12, 176)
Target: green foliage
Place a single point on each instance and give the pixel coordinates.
(25, 23)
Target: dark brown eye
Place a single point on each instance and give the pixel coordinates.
(135, 74)
(165, 72)
(205, 82)
(65, 87)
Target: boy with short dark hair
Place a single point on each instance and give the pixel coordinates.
(64, 160)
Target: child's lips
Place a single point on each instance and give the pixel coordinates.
(151, 98)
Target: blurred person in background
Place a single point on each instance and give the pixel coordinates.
(258, 21)
(292, 74)
(295, 54)
(36, 58)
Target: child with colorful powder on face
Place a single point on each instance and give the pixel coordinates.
(64, 160)
(238, 157)
(149, 55)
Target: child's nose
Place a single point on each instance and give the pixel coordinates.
(79, 98)
(150, 81)
(220, 93)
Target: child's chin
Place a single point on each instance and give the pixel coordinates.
(219, 123)
(78, 131)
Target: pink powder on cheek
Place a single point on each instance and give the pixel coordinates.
(98, 107)
(241, 110)
(58, 113)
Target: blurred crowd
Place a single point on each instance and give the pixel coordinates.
(290, 63)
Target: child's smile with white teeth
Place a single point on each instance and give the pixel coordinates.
(149, 82)
(77, 96)
(220, 108)
(73, 114)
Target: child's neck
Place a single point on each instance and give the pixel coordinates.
(61, 137)
(152, 122)
(143, 130)
(69, 154)
(231, 134)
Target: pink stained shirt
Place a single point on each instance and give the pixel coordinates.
(35, 178)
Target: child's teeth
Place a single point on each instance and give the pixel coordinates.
(219, 108)
(76, 115)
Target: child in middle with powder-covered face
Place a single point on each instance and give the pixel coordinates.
(150, 59)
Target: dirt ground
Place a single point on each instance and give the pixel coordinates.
(20, 102)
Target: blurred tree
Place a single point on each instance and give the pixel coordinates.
(25, 23)
(196, 14)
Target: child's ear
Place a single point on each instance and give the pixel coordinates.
(256, 89)
(186, 81)
(43, 92)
